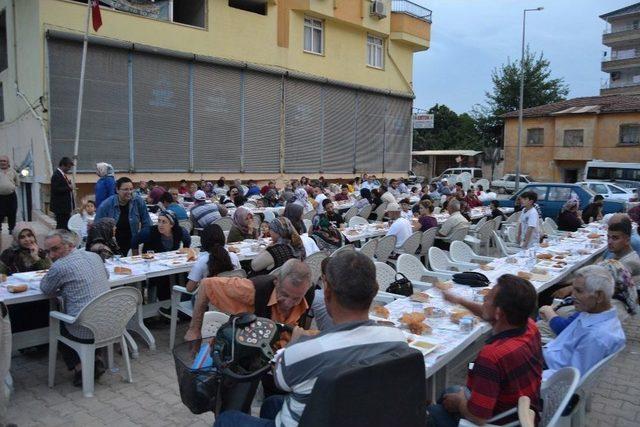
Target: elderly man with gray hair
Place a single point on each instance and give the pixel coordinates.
(595, 333)
(455, 222)
(78, 277)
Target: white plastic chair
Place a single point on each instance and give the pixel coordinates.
(309, 215)
(211, 322)
(512, 234)
(555, 392)
(225, 223)
(460, 252)
(483, 234)
(484, 182)
(513, 218)
(369, 248)
(357, 220)
(269, 215)
(351, 212)
(379, 212)
(411, 245)
(504, 249)
(342, 249)
(411, 267)
(186, 307)
(386, 246)
(76, 225)
(365, 212)
(477, 225)
(440, 262)
(437, 210)
(307, 224)
(314, 262)
(106, 316)
(385, 275)
(428, 238)
(577, 417)
(195, 242)
(551, 223)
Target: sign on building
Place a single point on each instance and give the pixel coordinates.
(422, 121)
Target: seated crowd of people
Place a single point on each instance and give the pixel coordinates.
(585, 328)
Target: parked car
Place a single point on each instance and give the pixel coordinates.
(476, 173)
(413, 179)
(552, 196)
(507, 184)
(611, 191)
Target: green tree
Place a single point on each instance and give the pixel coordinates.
(450, 131)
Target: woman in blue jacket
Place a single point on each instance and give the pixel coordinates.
(106, 185)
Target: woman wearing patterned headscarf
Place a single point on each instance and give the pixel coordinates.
(106, 185)
(569, 218)
(24, 253)
(625, 294)
(101, 238)
(244, 226)
(286, 244)
(301, 197)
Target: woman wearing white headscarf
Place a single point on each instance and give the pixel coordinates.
(301, 197)
(106, 185)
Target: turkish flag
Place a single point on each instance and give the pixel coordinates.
(95, 15)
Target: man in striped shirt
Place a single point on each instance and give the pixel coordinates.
(350, 286)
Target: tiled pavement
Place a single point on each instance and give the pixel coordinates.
(153, 399)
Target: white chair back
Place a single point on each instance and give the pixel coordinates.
(357, 220)
(461, 252)
(309, 215)
(428, 238)
(484, 182)
(551, 223)
(502, 246)
(437, 210)
(369, 248)
(225, 223)
(480, 222)
(438, 260)
(410, 266)
(385, 275)
(458, 234)
(107, 315)
(211, 322)
(365, 212)
(351, 212)
(514, 217)
(380, 211)
(411, 245)
(314, 262)
(512, 234)
(556, 393)
(307, 224)
(342, 249)
(386, 246)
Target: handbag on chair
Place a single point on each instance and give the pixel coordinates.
(401, 286)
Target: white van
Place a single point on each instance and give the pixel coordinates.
(476, 173)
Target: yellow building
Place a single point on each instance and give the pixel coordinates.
(559, 138)
(244, 88)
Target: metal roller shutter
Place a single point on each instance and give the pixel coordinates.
(160, 113)
(339, 129)
(217, 118)
(104, 134)
(262, 102)
(303, 126)
(370, 138)
(398, 135)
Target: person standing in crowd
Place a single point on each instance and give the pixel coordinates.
(78, 277)
(569, 218)
(9, 183)
(203, 213)
(169, 203)
(61, 202)
(101, 239)
(593, 211)
(106, 185)
(528, 228)
(596, 331)
(129, 212)
(244, 226)
(507, 367)
(143, 190)
(400, 227)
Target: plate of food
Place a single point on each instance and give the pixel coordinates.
(16, 288)
(424, 346)
(420, 297)
(31, 275)
(458, 314)
(434, 312)
(415, 323)
(380, 311)
(122, 271)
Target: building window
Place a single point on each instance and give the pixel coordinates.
(630, 134)
(535, 136)
(3, 41)
(313, 36)
(250, 6)
(375, 51)
(573, 138)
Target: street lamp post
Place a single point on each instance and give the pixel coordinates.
(518, 147)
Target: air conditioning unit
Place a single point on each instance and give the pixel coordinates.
(377, 9)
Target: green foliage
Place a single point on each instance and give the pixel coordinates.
(450, 131)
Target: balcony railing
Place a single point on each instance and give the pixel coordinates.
(618, 56)
(412, 9)
(608, 84)
(621, 29)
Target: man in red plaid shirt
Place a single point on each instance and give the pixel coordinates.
(507, 367)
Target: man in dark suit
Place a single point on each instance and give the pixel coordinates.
(61, 202)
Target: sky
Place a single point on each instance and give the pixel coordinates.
(470, 38)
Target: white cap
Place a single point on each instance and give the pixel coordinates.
(393, 207)
(200, 195)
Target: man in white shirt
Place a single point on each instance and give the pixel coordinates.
(455, 220)
(319, 196)
(528, 227)
(385, 195)
(400, 227)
